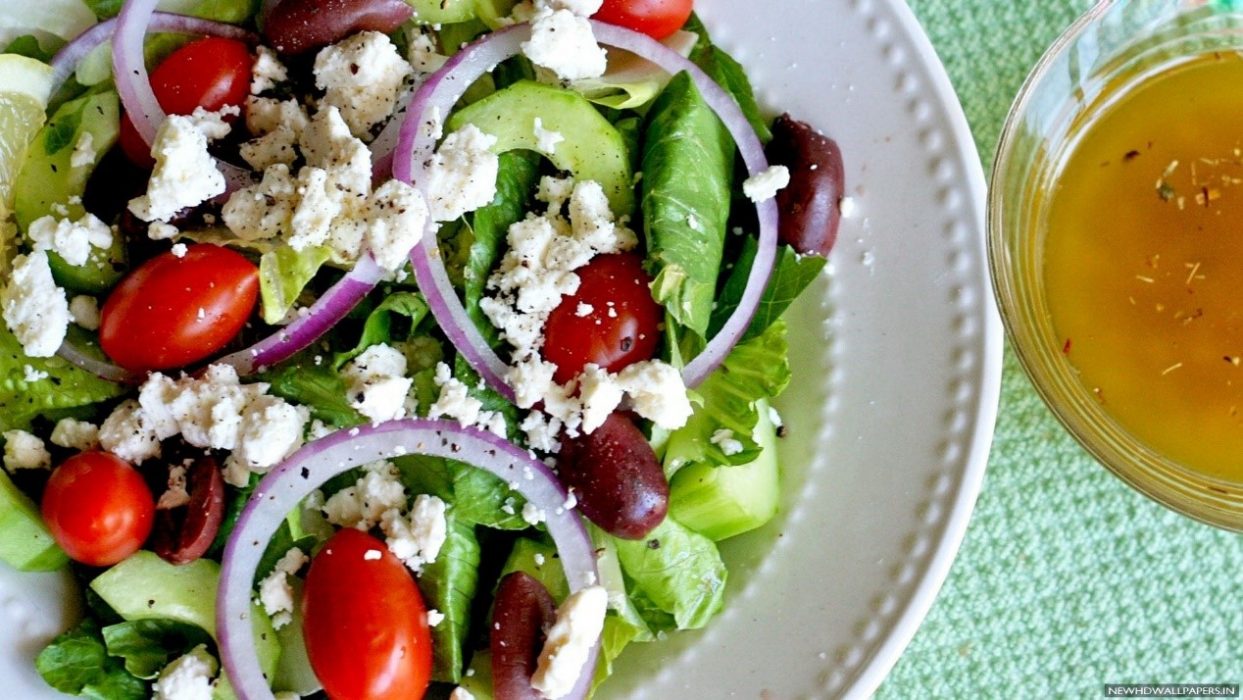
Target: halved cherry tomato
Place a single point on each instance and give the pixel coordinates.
(209, 73)
(173, 311)
(611, 321)
(364, 622)
(655, 18)
(98, 508)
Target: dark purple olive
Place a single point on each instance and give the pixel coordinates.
(522, 612)
(183, 532)
(616, 478)
(296, 26)
(810, 204)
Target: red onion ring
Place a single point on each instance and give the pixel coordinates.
(67, 59)
(319, 318)
(382, 146)
(74, 355)
(286, 485)
(416, 146)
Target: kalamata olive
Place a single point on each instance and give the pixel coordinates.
(297, 26)
(616, 478)
(188, 515)
(810, 204)
(522, 612)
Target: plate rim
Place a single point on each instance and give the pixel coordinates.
(992, 343)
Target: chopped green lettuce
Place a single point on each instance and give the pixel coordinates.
(688, 161)
(78, 663)
(449, 585)
(147, 646)
(677, 578)
(791, 275)
(728, 400)
(727, 73)
(64, 387)
(381, 326)
(316, 386)
(477, 497)
(283, 274)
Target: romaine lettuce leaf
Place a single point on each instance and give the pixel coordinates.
(147, 646)
(476, 497)
(64, 387)
(77, 663)
(407, 308)
(283, 274)
(688, 160)
(791, 275)
(756, 369)
(448, 585)
(677, 577)
(316, 386)
(727, 73)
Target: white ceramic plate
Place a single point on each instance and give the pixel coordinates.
(897, 360)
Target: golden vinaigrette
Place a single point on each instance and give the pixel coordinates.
(1143, 263)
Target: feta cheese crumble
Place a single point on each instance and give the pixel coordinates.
(31, 375)
(546, 140)
(362, 76)
(533, 515)
(185, 174)
(84, 153)
(416, 539)
(763, 186)
(84, 310)
(71, 240)
(175, 494)
(266, 71)
(460, 693)
(462, 175)
(724, 439)
(376, 383)
(75, 434)
(580, 620)
(455, 402)
(179, 250)
(562, 41)
(276, 592)
(23, 450)
(434, 618)
(364, 504)
(188, 677)
(34, 308)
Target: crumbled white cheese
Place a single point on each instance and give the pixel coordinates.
(262, 211)
(600, 393)
(362, 76)
(582, 8)
(179, 250)
(128, 434)
(364, 504)
(462, 175)
(271, 148)
(775, 418)
(541, 431)
(434, 618)
(763, 186)
(376, 383)
(275, 591)
(546, 140)
(23, 450)
(580, 620)
(31, 375)
(160, 231)
(532, 514)
(84, 153)
(398, 218)
(271, 429)
(656, 392)
(847, 207)
(84, 310)
(175, 494)
(265, 115)
(454, 401)
(563, 42)
(318, 205)
(34, 308)
(189, 677)
(418, 538)
(460, 693)
(423, 54)
(724, 439)
(75, 434)
(266, 71)
(583, 310)
(185, 174)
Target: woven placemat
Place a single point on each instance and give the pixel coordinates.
(1067, 579)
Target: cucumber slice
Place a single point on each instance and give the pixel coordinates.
(524, 557)
(25, 542)
(145, 587)
(721, 502)
(442, 11)
(593, 148)
(48, 181)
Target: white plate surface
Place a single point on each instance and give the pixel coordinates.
(897, 361)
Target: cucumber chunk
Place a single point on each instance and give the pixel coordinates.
(721, 502)
(540, 561)
(25, 542)
(592, 149)
(48, 181)
(145, 586)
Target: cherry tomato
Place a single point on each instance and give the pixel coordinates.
(364, 622)
(208, 73)
(98, 508)
(655, 18)
(611, 321)
(173, 311)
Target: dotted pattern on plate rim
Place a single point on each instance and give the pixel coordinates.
(843, 665)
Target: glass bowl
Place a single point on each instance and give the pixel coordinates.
(1116, 46)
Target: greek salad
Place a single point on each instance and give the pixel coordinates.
(389, 348)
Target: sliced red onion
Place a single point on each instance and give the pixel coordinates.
(414, 149)
(67, 59)
(384, 143)
(75, 355)
(316, 320)
(284, 488)
(129, 68)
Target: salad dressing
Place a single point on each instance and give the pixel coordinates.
(1143, 263)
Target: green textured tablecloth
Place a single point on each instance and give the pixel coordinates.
(1067, 579)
